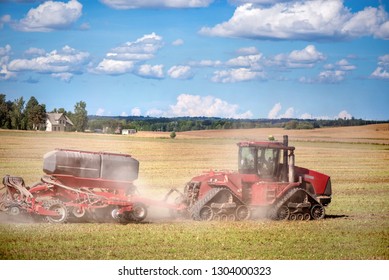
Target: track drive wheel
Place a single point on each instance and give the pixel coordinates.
(242, 213)
(283, 213)
(206, 213)
(60, 208)
(139, 212)
(317, 212)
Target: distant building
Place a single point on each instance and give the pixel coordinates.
(58, 122)
(128, 131)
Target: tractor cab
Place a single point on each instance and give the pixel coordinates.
(268, 160)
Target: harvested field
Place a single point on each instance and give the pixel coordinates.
(356, 227)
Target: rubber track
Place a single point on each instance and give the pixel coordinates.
(194, 211)
(273, 211)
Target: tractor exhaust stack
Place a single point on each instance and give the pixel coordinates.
(285, 161)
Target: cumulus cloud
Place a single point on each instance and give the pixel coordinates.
(151, 71)
(182, 72)
(60, 64)
(178, 42)
(34, 52)
(65, 77)
(206, 63)
(237, 75)
(155, 113)
(247, 51)
(332, 73)
(250, 64)
(135, 112)
(100, 112)
(205, 106)
(382, 70)
(124, 58)
(344, 65)
(250, 61)
(136, 4)
(305, 58)
(343, 115)
(274, 112)
(50, 16)
(114, 67)
(5, 73)
(314, 20)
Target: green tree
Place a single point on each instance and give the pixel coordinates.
(5, 109)
(80, 116)
(34, 114)
(17, 113)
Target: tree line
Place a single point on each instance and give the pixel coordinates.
(32, 115)
(178, 124)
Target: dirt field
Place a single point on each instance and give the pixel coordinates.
(356, 227)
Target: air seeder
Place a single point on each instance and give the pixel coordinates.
(77, 184)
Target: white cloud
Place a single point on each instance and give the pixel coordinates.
(100, 112)
(5, 73)
(205, 106)
(251, 61)
(136, 112)
(63, 62)
(331, 77)
(314, 20)
(237, 75)
(114, 67)
(344, 65)
(206, 63)
(380, 73)
(65, 77)
(343, 115)
(289, 113)
(306, 116)
(274, 112)
(178, 42)
(123, 59)
(182, 72)
(50, 16)
(4, 51)
(305, 58)
(332, 74)
(382, 70)
(136, 4)
(151, 71)
(33, 52)
(124, 114)
(141, 49)
(247, 51)
(155, 113)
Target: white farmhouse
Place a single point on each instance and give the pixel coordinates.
(58, 122)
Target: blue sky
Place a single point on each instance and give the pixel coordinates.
(235, 58)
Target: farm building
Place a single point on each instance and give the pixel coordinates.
(58, 122)
(128, 131)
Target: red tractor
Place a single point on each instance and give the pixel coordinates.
(267, 181)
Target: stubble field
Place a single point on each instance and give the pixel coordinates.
(356, 226)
